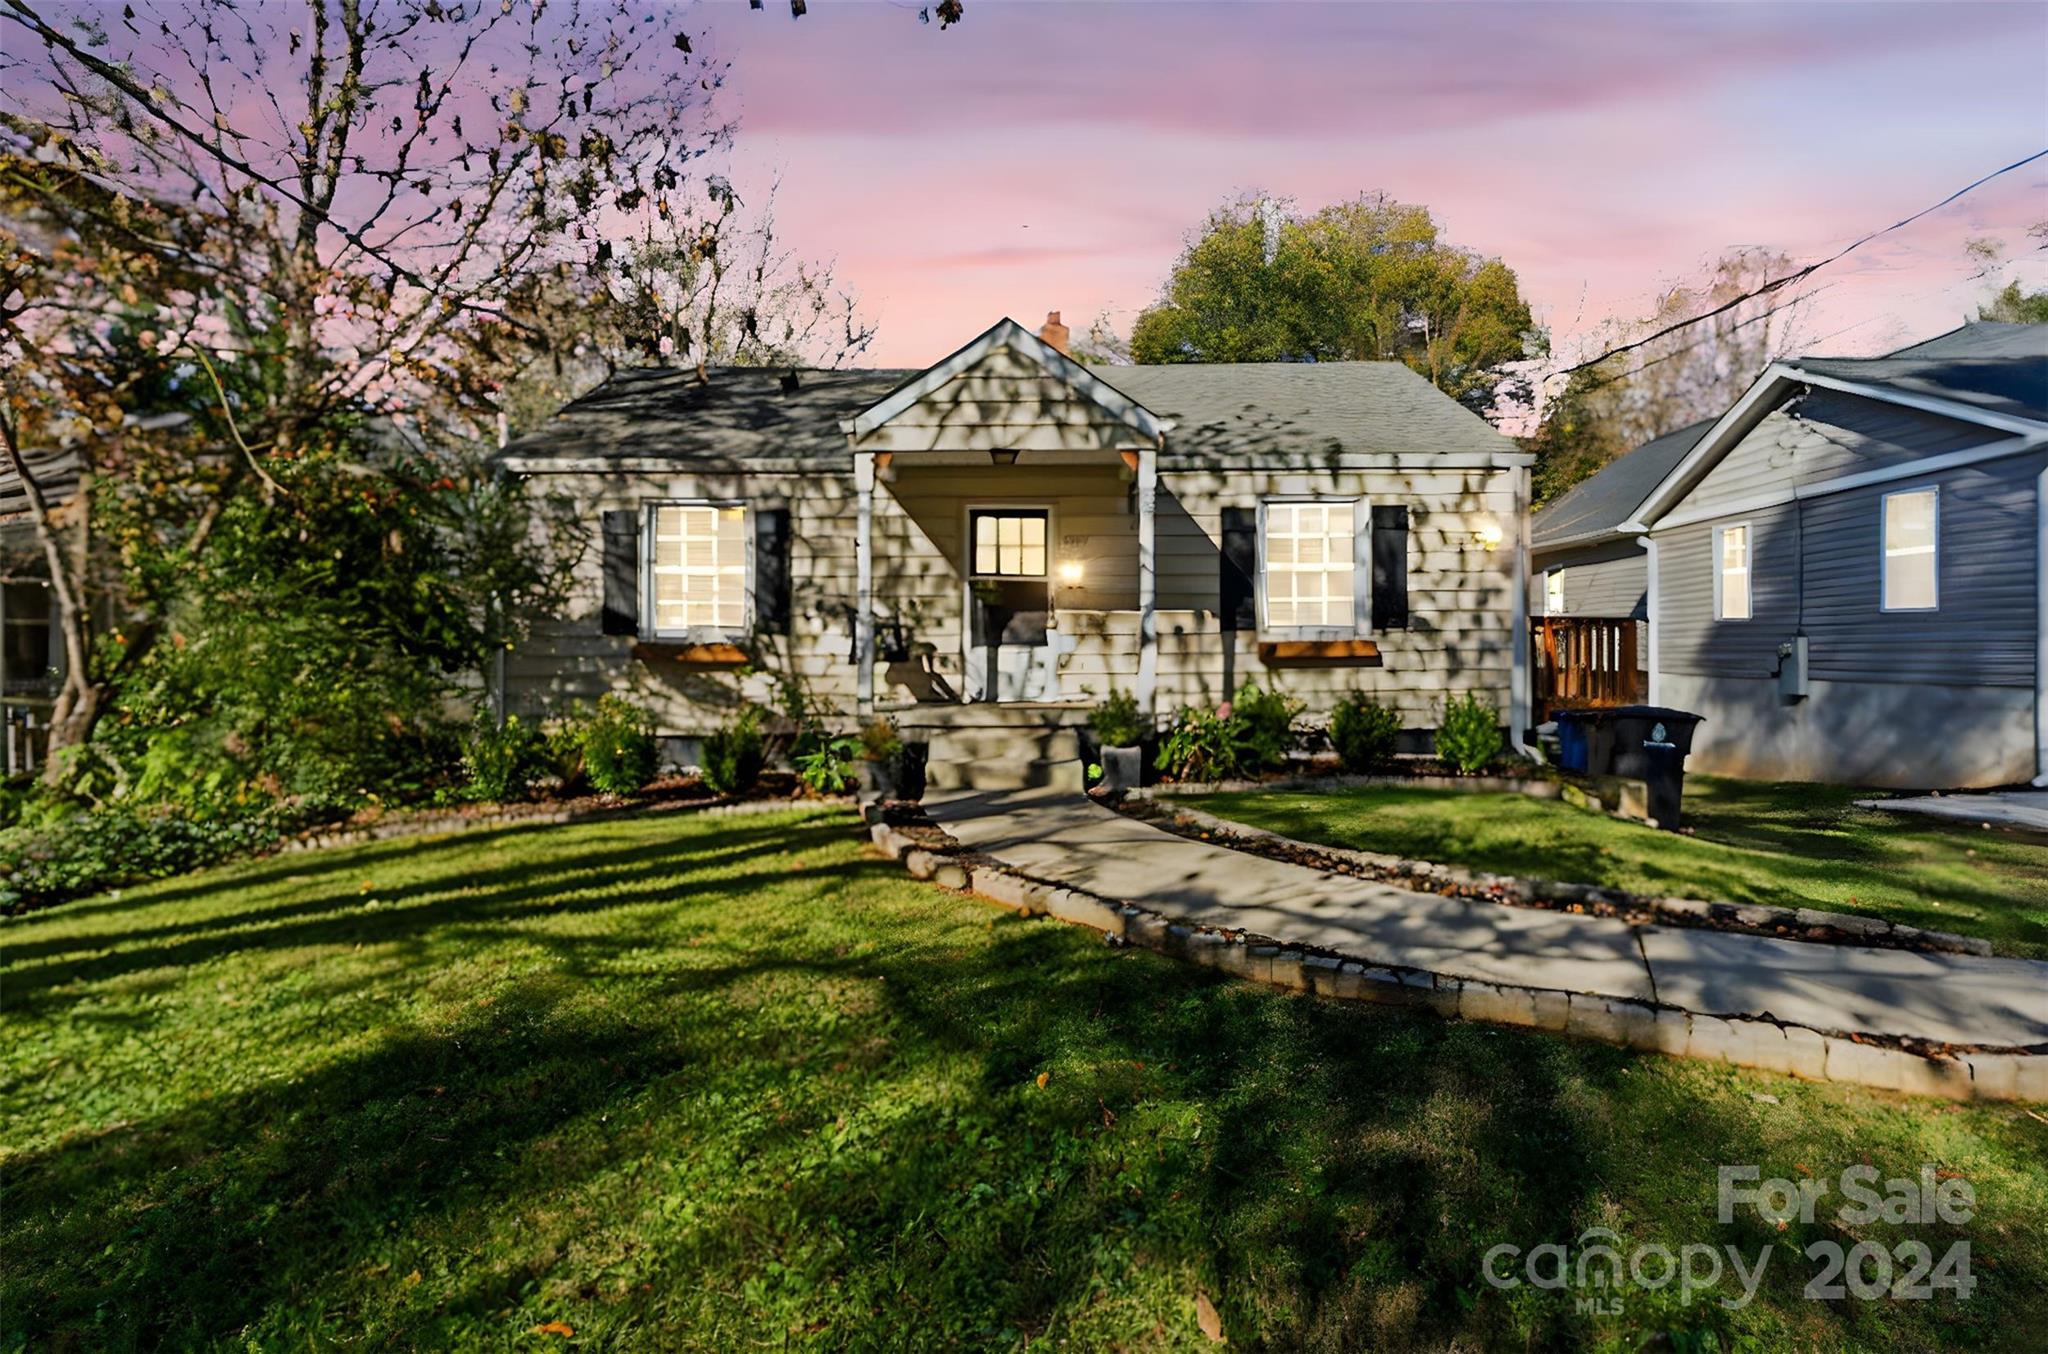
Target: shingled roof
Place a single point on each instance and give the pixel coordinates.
(748, 417)
(1998, 368)
(1591, 509)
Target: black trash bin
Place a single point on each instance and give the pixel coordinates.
(1650, 745)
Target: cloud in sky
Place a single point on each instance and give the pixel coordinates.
(1052, 156)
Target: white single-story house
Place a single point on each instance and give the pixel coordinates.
(1013, 527)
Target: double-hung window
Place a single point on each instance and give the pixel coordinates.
(1732, 552)
(1310, 565)
(1912, 554)
(697, 568)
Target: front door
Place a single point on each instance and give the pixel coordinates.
(1009, 605)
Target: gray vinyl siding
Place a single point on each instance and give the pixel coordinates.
(1689, 639)
(1983, 632)
(1823, 435)
(1818, 570)
(1607, 583)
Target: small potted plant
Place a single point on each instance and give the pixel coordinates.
(1119, 732)
(881, 751)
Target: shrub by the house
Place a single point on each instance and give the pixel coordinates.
(500, 762)
(1250, 733)
(1468, 736)
(1364, 733)
(617, 745)
(734, 755)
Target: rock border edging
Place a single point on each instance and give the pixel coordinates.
(1510, 889)
(1793, 1050)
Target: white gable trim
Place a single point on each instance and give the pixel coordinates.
(1732, 426)
(1007, 334)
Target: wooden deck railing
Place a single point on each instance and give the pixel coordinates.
(1584, 662)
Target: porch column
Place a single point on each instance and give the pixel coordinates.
(864, 583)
(1650, 601)
(1148, 621)
(1519, 704)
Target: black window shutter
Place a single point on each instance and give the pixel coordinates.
(1238, 606)
(1390, 566)
(771, 571)
(621, 571)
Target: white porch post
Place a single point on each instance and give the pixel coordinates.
(1519, 704)
(1148, 621)
(864, 584)
(1649, 544)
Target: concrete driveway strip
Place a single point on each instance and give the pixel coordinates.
(1063, 838)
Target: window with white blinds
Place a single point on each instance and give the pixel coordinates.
(1309, 565)
(698, 567)
(1911, 554)
(1731, 573)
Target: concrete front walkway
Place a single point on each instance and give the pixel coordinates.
(1063, 838)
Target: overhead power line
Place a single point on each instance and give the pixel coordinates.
(1799, 274)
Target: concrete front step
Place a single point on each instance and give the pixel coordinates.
(981, 745)
(1037, 774)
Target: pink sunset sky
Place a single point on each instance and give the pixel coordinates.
(1044, 156)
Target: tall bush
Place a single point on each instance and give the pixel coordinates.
(1364, 733)
(501, 762)
(617, 744)
(1468, 736)
(733, 755)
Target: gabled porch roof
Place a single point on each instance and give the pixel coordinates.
(1107, 417)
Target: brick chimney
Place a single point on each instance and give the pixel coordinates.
(1053, 332)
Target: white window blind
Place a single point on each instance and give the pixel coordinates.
(1732, 593)
(699, 569)
(1911, 551)
(1308, 563)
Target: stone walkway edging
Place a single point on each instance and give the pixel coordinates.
(1533, 786)
(455, 823)
(1794, 1050)
(1681, 911)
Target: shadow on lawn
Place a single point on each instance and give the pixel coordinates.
(1354, 1167)
(403, 912)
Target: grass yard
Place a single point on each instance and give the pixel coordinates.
(1751, 842)
(678, 1082)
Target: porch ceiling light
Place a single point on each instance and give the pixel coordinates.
(1002, 458)
(1070, 573)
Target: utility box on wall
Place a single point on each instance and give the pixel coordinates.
(1792, 669)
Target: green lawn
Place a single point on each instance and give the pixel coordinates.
(736, 1084)
(1750, 842)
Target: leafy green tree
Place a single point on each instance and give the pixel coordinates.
(1371, 279)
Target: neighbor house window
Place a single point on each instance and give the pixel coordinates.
(1911, 554)
(697, 569)
(1731, 573)
(1309, 565)
(1553, 593)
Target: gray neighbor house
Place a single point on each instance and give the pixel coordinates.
(1009, 535)
(1846, 573)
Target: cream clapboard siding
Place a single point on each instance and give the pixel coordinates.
(1459, 594)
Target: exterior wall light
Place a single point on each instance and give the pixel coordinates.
(1070, 573)
(1489, 537)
